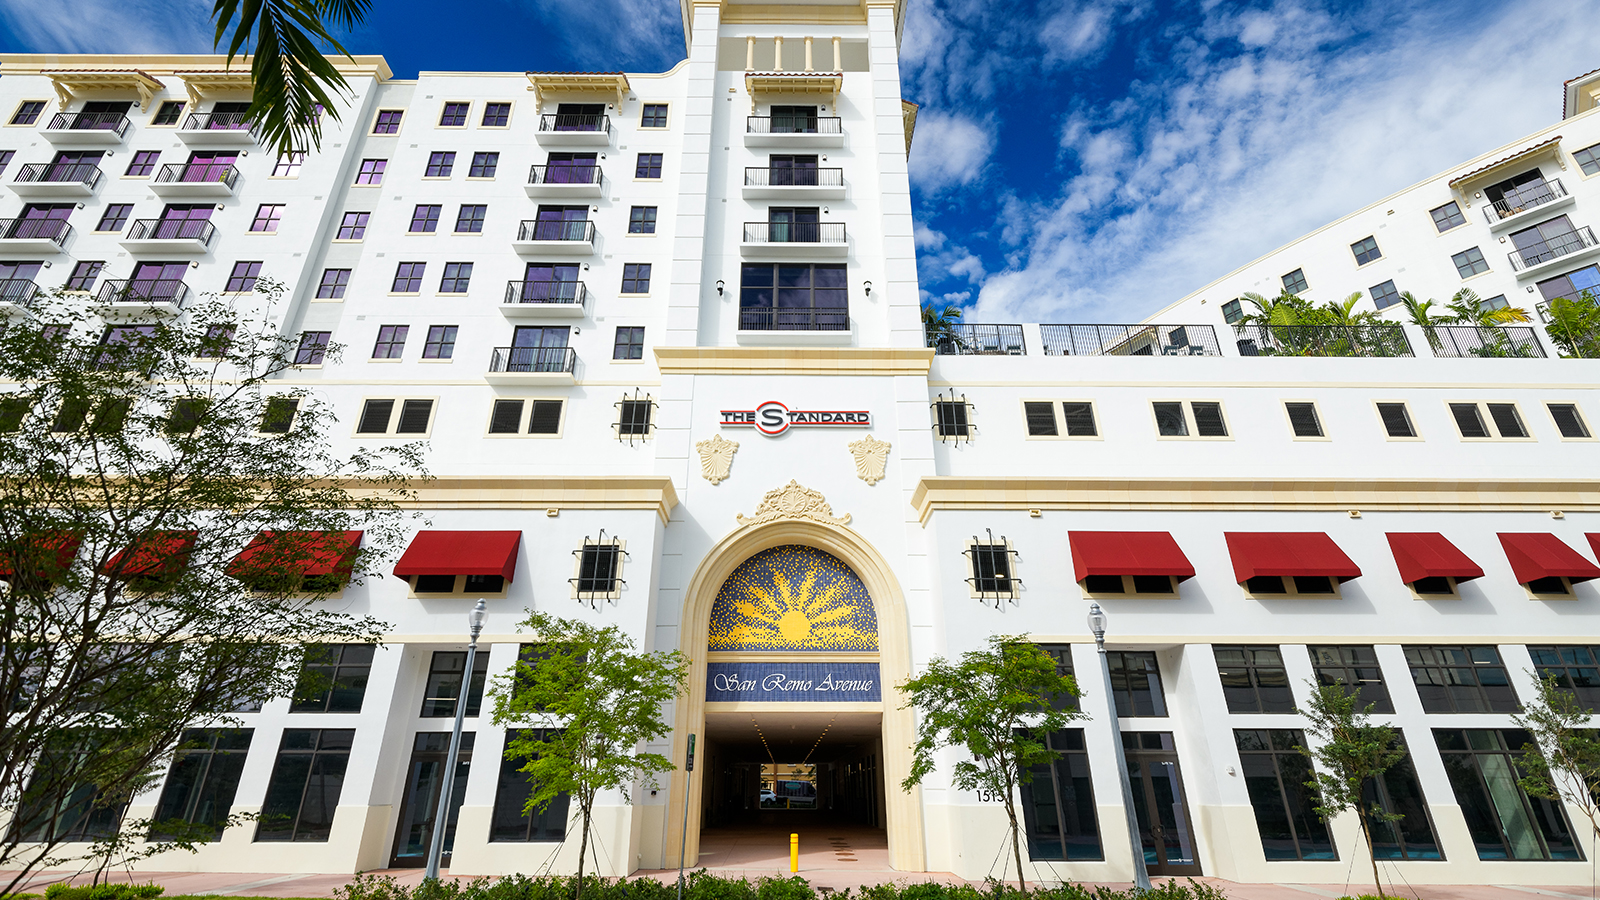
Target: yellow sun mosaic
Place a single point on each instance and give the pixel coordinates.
(793, 598)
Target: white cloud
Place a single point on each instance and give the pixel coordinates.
(111, 26)
(948, 151)
(636, 35)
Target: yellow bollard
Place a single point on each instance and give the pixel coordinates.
(794, 852)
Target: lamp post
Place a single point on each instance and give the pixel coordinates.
(441, 816)
(1097, 624)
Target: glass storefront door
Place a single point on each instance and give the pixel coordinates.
(1158, 799)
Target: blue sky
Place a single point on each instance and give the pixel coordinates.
(1075, 160)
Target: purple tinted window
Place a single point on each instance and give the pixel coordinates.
(440, 163)
(267, 216)
(354, 226)
(457, 276)
(84, 275)
(454, 115)
(115, 218)
(391, 341)
(313, 347)
(371, 171)
(470, 219)
(244, 276)
(441, 342)
(28, 112)
(496, 115)
(5, 159)
(334, 281)
(388, 121)
(649, 166)
(483, 165)
(408, 278)
(425, 218)
(636, 278)
(144, 161)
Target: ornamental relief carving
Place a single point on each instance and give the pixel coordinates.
(793, 501)
(871, 456)
(716, 458)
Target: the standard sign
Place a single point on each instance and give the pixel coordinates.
(793, 682)
(773, 418)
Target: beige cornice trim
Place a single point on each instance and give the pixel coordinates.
(775, 14)
(798, 83)
(201, 84)
(613, 84)
(572, 492)
(1400, 494)
(792, 361)
(908, 117)
(72, 81)
(169, 63)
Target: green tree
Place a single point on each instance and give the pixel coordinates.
(942, 327)
(1467, 308)
(1563, 761)
(1574, 325)
(999, 704)
(137, 464)
(1352, 752)
(587, 703)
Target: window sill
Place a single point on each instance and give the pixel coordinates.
(435, 178)
(480, 178)
(641, 234)
(632, 296)
(446, 294)
(386, 359)
(327, 300)
(1372, 262)
(627, 362)
(346, 240)
(134, 177)
(404, 294)
(262, 233)
(377, 184)
(437, 361)
(1477, 276)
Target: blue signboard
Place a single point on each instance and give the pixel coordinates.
(793, 682)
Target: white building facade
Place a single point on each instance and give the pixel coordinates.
(661, 334)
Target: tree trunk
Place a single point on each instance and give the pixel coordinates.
(583, 848)
(1371, 854)
(1016, 846)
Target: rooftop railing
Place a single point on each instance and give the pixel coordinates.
(54, 230)
(1551, 248)
(198, 173)
(1524, 200)
(170, 291)
(215, 121)
(555, 230)
(533, 359)
(786, 176)
(794, 233)
(60, 173)
(768, 318)
(561, 122)
(566, 292)
(1322, 340)
(172, 230)
(793, 125)
(1129, 340)
(1491, 341)
(975, 340)
(588, 173)
(18, 291)
(82, 121)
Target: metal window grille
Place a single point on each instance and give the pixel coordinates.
(951, 417)
(1396, 421)
(599, 569)
(1303, 419)
(634, 415)
(993, 569)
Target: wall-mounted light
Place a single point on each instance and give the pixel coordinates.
(220, 207)
(602, 156)
(244, 152)
(824, 210)
(719, 287)
(80, 206)
(867, 286)
(577, 330)
(586, 267)
(595, 208)
(47, 262)
(194, 263)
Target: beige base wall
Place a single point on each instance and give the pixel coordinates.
(612, 828)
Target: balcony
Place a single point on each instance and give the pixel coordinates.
(531, 365)
(976, 340)
(56, 180)
(1511, 341)
(17, 296)
(1129, 340)
(574, 131)
(794, 131)
(100, 129)
(170, 236)
(544, 300)
(33, 235)
(790, 326)
(1557, 252)
(544, 236)
(762, 183)
(195, 180)
(162, 297)
(216, 129)
(1322, 340)
(1536, 200)
(565, 181)
(794, 240)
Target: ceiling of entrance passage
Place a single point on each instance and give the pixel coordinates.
(793, 735)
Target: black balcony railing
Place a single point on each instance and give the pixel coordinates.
(55, 230)
(1129, 340)
(84, 121)
(164, 290)
(975, 340)
(60, 173)
(558, 174)
(198, 173)
(547, 230)
(565, 292)
(1524, 199)
(225, 121)
(172, 230)
(533, 359)
(1322, 340)
(762, 176)
(767, 318)
(18, 291)
(557, 122)
(1552, 248)
(794, 233)
(1492, 341)
(793, 125)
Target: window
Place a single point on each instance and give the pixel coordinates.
(83, 275)
(1505, 823)
(1129, 585)
(58, 806)
(1205, 415)
(13, 410)
(1275, 773)
(144, 162)
(1136, 684)
(168, 113)
(1366, 250)
(642, 220)
(28, 112)
(1295, 282)
(441, 343)
(354, 226)
(5, 159)
(454, 115)
(305, 786)
(599, 569)
(444, 684)
(395, 417)
(1232, 311)
(391, 341)
(1398, 793)
(333, 678)
(407, 278)
(543, 417)
(1273, 586)
(458, 584)
(1062, 654)
(267, 216)
(1576, 670)
(1058, 804)
(1396, 420)
(1470, 262)
(1079, 419)
(1498, 301)
(1303, 420)
(425, 218)
(115, 217)
(470, 219)
(496, 115)
(1384, 295)
(457, 275)
(204, 777)
(1356, 666)
(484, 165)
(991, 565)
(635, 278)
(1447, 216)
(371, 171)
(950, 419)
(288, 165)
(653, 115)
(1254, 679)
(511, 824)
(1471, 423)
(1588, 159)
(333, 284)
(634, 416)
(388, 121)
(800, 297)
(1452, 679)
(278, 417)
(629, 343)
(216, 342)
(649, 166)
(1568, 420)
(313, 347)
(243, 277)
(440, 164)
(1041, 418)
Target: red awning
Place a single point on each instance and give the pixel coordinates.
(158, 554)
(1430, 555)
(1127, 553)
(460, 553)
(309, 552)
(50, 550)
(1539, 555)
(1287, 554)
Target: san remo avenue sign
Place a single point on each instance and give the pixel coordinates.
(773, 418)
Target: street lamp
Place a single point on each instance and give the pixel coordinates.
(441, 816)
(1097, 624)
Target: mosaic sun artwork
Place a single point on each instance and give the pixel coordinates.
(793, 598)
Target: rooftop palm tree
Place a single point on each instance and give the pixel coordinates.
(1468, 309)
(942, 327)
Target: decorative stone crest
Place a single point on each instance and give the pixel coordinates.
(716, 457)
(871, 456)
(793, 501)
